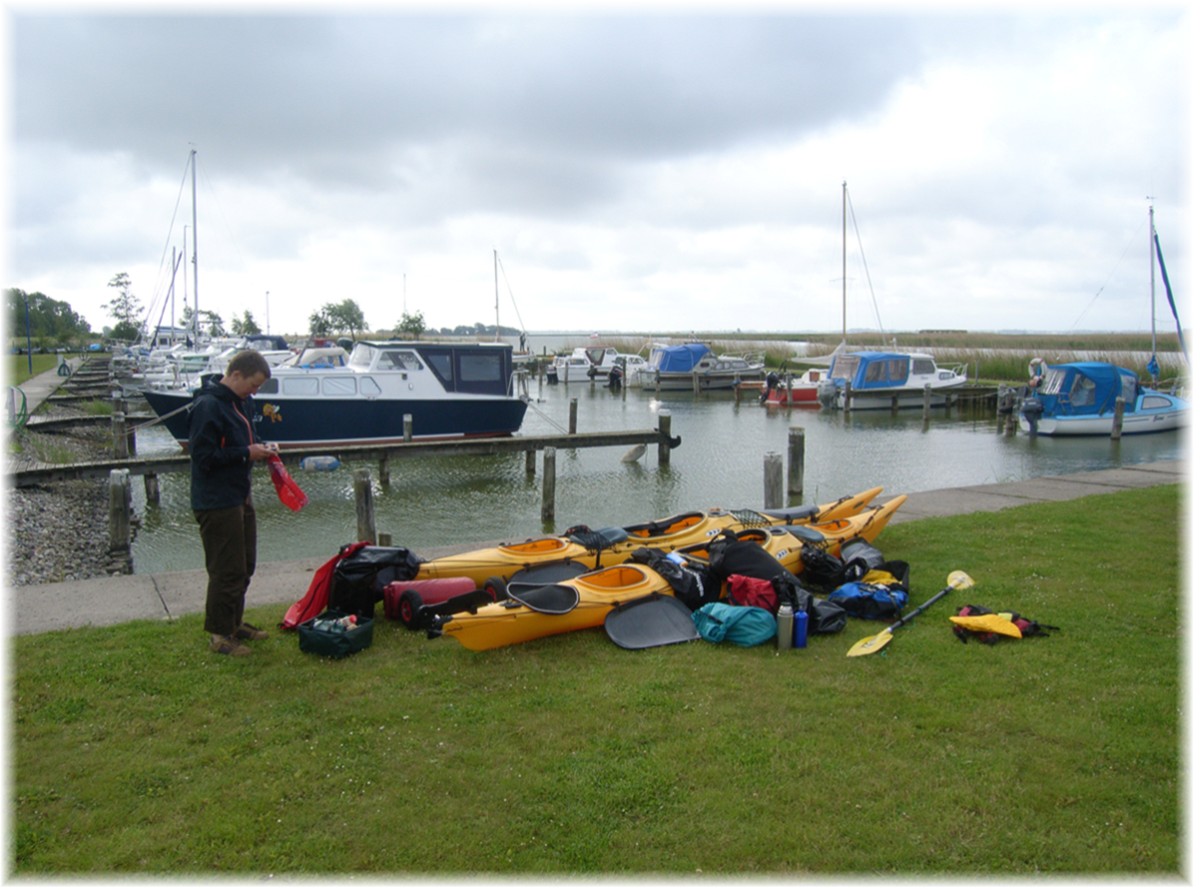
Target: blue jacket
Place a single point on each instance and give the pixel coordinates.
(219, 436)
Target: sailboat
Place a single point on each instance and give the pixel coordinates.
(803, 390)
(1100, 398)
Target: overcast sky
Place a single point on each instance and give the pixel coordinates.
(673, 170)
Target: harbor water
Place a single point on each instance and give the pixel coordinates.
(451, 501)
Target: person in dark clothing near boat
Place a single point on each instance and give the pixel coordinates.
(223, 449)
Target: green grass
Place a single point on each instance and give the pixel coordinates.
(137, 752)
(18, 366)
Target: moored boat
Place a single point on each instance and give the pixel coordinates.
(794, 390)
(1080, 399)
(694, 365)
(448, 390)
(886, 380)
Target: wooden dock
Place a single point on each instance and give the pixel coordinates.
(529, 445)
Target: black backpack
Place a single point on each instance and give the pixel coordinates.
(359, 579)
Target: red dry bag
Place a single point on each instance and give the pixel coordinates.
(292, 496)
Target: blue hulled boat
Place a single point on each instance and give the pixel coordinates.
(1080, 399)
(448, 389)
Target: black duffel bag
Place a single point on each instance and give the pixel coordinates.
(360, 578)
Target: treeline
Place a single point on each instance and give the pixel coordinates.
(48, 322)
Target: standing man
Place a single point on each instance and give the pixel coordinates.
(223, 448)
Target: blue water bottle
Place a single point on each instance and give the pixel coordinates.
(800, 629)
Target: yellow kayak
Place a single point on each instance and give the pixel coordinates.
(604, 547)
(503, 560)
(509, 622)
(688, 529)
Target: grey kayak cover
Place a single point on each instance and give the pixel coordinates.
(654, 620)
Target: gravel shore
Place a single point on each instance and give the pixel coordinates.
(59, 532)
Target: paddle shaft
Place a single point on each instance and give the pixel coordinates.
(921, 608)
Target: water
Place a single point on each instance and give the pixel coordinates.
(436, 502)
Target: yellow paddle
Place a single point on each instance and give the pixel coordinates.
(867, 645)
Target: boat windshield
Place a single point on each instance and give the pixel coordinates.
(1053, 382)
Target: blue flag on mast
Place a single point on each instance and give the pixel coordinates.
(1162, 266)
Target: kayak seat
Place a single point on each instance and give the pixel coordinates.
(793, 514)
(598, 538)
(540, 576)
(553, 599)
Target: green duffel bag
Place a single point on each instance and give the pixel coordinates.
(336, 634)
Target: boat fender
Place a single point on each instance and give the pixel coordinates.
(320, 462)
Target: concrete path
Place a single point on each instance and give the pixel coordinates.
(105, 601)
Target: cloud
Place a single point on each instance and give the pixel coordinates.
(639, 162)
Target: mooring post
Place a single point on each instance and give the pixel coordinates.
(664, 437)
(407, 427)
(120, 504)
(926, 402)
(120, 436)
(364, 505)
(1118, 417)
(385, 469)
(772, 480)
(152, 489)
(846, 396)
(531, 462)
(549, 480)
(573, 421)
(796, 461)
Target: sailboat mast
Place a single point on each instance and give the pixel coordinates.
(496, 279)
(843, 261)
(1153, 324)
(195, 258)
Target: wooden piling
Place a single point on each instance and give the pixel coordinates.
(385, 470)
(408, 427)
(772, 480)
(573, 417)
(531, 462)
(120, 505)
(153, 493)
(549, 482)
(120, 436)
(796, 461)
(1118, 418)
(364, 505)
(926, 403)
(664, 430)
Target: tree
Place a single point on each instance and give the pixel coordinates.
(343, 317)
(51, 322)
(245, 326)
(213, 323)
(125, 308)
(413, 325)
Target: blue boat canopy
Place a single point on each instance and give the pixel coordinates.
(678, 359)
(1086, 388)
(870, 370)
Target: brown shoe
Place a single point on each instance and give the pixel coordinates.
(250, 632)
(228, 646)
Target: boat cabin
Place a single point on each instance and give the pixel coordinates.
(1087, 388)
(890, 370)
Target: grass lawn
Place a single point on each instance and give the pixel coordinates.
(135, 751)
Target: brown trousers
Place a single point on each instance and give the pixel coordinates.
(230, 538)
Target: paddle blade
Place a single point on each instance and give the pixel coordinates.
(869, 645)
(959, 580)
